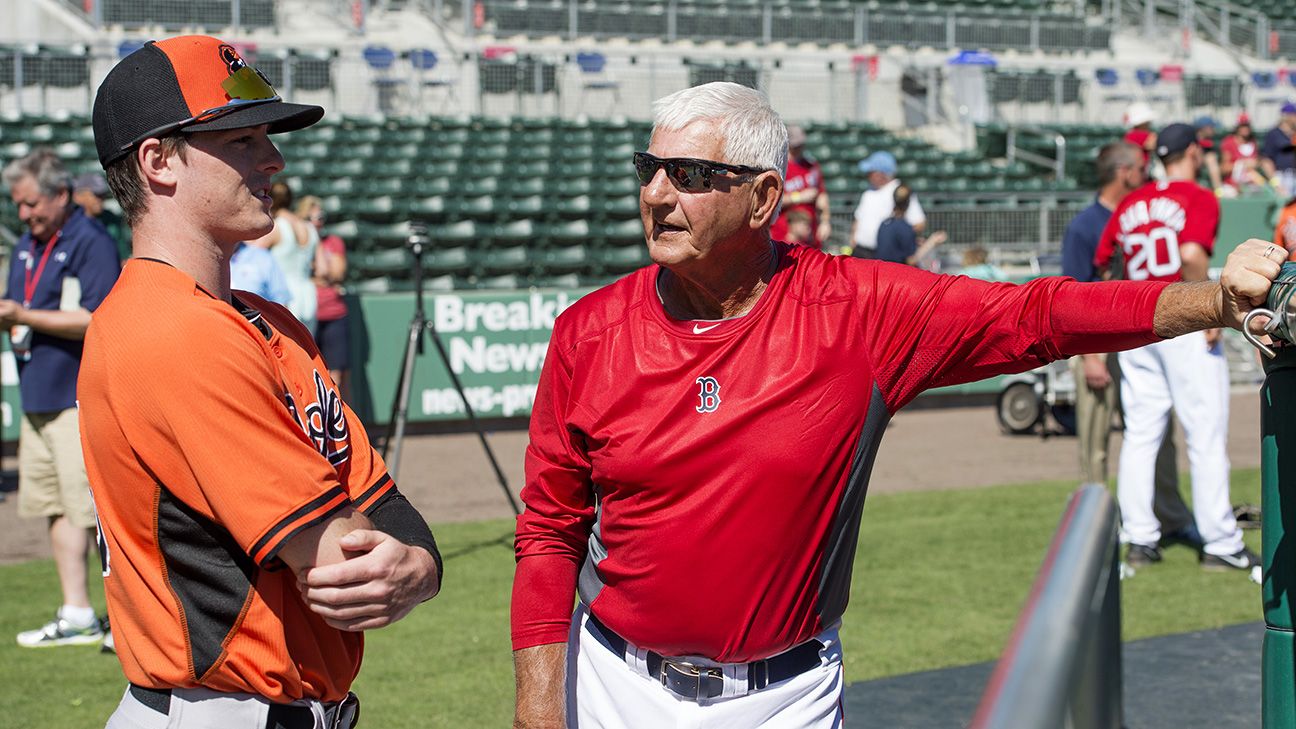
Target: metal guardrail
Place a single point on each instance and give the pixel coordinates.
(1010, 223)
(1057, 164)
(768, 22)
(1062, 665)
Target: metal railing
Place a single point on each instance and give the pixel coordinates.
(1057, 164)
(1176, 22)
(768, 23)
(1032, 223)
(1062, 664)
(210, 14)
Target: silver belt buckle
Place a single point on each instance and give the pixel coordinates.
(691, 680)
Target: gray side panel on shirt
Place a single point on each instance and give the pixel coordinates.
(590, 584)
(834, 583)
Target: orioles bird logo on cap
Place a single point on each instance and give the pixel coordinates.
(244, 82)
(231, 58)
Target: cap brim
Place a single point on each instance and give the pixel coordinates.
(281, 116)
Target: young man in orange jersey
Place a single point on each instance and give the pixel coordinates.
(249, 531)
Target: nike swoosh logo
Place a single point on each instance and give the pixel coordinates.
(698, 329)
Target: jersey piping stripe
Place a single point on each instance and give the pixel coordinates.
(373, 494)
(314, 512)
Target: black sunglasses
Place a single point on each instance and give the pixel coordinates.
(686, 173)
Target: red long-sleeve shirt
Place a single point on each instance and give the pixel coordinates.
(702, 483)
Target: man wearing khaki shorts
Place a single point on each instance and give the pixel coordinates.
(62, 267)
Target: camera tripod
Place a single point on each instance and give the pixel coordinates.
(418, 326)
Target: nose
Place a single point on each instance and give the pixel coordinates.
(272, 162)
(659, 191)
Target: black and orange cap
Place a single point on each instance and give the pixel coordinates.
(193, 83)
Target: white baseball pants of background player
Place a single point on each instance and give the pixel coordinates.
(1182, 374)
(607, 691)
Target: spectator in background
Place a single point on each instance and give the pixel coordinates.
(1139, 119)
(1240, 157)
(878, 202)
(976, 264)
(1173, 242)
(1206, 127)
(799, 227)
(332, 334)
(1278, 156)
(1097, 376)
(256, 270)
(63, 267)
(896, 240)
(89, 191)
(803, 191)
(1285, 233)
(293, 244)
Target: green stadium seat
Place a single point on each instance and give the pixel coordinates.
(530, 206)
(474, 186)
(481, 207)
(573, 207)
(432, 207)
(390, 235)
(503, 260)
(620, 207)
(571, 258)
(379, 262)
(623, 232)
(513, 232)
(624, 258)
(457, 232)
(556, 281)
(506, 282)
(565, 233)
(379, 208)
(447, 260)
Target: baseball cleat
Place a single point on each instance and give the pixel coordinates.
(1243, 559)
(1142, 555)
(60, 631)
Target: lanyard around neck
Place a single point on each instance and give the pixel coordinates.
(30, 282)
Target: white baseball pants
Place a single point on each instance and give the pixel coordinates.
(607, 691)
(1182, 374)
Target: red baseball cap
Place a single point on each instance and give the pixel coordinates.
(194, 83)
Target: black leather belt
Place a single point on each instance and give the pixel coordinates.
(337, 714)
(695, 682)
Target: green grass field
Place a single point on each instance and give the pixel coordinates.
(939, 579)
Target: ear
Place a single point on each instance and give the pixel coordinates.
(156, 166)
(766, 194)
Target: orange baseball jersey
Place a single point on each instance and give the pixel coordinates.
(1285, 233)
(212, 435)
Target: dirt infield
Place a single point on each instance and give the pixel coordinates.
(449, 479)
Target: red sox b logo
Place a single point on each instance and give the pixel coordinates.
(708, 394)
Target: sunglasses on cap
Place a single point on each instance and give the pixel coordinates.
(686, 173)
(246, 88)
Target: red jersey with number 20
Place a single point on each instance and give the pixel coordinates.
(1153, 223)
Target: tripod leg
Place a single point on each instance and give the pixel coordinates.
(400, 406)
(472, 417)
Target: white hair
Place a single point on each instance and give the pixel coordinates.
(754, 134)
(43, 166)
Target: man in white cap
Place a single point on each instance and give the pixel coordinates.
(1139, 119)
(878, 202)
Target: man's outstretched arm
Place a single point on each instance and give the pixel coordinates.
(1243, 286)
